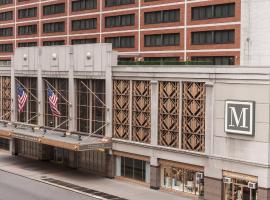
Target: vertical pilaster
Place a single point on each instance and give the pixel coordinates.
(154, 112)
(13, 94)
(212, 188)
(40, 92)
(14, 146)
(209, 113)
(154, 177)
(110, 164)
(263, 193)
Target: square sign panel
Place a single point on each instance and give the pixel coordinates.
(240, 117)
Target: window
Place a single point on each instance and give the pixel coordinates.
(27, 30)
(4, 144)
(4, 32)
(54, 43)
(54, 27)
(4, 16)
(28, 12)
(84, 41)
(133, 168)
(54, 9)
(27, 44)
(84, 24)
(121, 42)
(121, 20)
(164, 16)
(161, 59)
(5, 63)
(84, 5)
(4, 2)
(214, 60)
(171, 39)
(6, 48)
(109, 3)
(213, 11)
(213, 37)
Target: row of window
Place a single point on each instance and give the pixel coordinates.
(156, 17)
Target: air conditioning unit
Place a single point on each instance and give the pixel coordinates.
(252, 185)
(199, 176)
(227, 180)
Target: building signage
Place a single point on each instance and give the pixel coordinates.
(240, 117)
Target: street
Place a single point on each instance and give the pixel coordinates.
(13, 187)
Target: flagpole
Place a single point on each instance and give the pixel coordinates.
(27, 90)
(57, 91)
(94, 94)
(99, 129)
(59, 125)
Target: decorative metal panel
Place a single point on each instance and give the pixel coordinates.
(121, 102)
(169, 114)
(141, 111)
(6, 98)
(193, 116)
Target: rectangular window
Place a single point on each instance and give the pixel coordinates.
(54, 43)
(110, 3)
(133, 168)
(5, 16)
(6, 48)
(27, 44)
(54, 9)
(4, 144)
(121, 42)
(120, 20)
(213, 37)
(171, 39)
(84, 41)
(4, 32)
(4, 2)
(84, 24)
(214, 60)
(213, 11)
(27, 13)
(161, 59)
(81, 5)
(163, 16)
(54, 27)
(27, 30)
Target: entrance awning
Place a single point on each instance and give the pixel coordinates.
(57, 139)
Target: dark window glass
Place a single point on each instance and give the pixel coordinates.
(213, 37)
(28, 12)
(27, 44)
(121, 42)
(109, 3)
(4, 16)
(84, 24)
(120, 20)
(27, 30)
(4, 2)
(54, 43)
(6, 47)
(84, 5)
(171, 39)
(84, 41)
(54, 9)
(54, 27)
(164, 16)
(133, 168)
(214, 60)
(4, 32)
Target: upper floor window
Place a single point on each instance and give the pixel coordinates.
(213, 37)
(84, 24)
(6, 47)
(54, 43)
(157, 40)
(4, 2)
(27, 30)
(163, 16)
(213, 11)
(120, 20)
(4, 16)
(6, 32)
(109, 3)
(54, 9)
(121, 42)
(54, 27)
(27, 12)
(214, 60)
(27, 44)
(84, 41)
(80, 5)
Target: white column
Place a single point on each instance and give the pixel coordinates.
(154, 112)
(209, 112)
(13, 94)
(40, 93)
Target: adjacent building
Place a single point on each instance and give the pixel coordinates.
(217, 31)
(201, 131)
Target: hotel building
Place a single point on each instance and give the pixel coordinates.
(217, 31)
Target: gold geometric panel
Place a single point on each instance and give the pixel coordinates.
(193, 116)
(121, 89)
(141, 111)
(6, 98)
(169, 114)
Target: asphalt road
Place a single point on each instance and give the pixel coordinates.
(13, 187)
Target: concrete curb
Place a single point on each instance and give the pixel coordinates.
(55, 185)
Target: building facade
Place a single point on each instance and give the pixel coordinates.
(199, 131)
(216, 31)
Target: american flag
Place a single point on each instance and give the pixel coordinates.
(22, 98)
(53, 103)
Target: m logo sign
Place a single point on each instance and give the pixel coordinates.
(239, 117)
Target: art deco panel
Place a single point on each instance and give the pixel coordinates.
(193, 116)
(169, 114)
(141, 111)
(121, 102)
(6, 98)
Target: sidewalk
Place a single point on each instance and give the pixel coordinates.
(39, 170)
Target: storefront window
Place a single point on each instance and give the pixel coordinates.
(183, 180)
(238, 189)
(134, 169)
